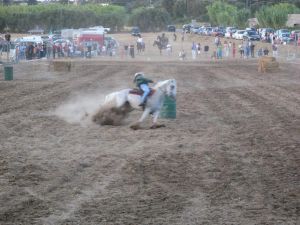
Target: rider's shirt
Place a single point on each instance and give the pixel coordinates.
(140, 40)
(142, 80)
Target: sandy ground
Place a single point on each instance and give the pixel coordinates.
(230, 157)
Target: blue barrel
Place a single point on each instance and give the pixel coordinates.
(168, 109)
(8, 72)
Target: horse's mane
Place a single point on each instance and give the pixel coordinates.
(161, 83)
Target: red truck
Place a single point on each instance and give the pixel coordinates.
(90, 36)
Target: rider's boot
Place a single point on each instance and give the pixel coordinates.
(143, 104)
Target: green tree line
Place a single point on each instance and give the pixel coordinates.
(21, 18)
(149, 15)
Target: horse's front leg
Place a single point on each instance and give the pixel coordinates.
(155, 124)
(137, 125)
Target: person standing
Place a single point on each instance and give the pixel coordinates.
(131, 51)
(194, 50)
(226, 49)
(241, 50)
(198, 48)
(174, 37)
(252, 46)
(274, 50)
(233, 49)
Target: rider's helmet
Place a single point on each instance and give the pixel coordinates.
(138, 75)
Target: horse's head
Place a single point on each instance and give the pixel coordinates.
(171, 88)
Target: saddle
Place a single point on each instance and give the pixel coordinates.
(137, 91)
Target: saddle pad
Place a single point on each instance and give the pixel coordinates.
(140, 92)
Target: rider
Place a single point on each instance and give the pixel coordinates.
(142, 83)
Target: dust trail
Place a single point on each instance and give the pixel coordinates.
(80, 108)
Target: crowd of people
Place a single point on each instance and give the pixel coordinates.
(214, 48)
(29, 50)
(226, 48)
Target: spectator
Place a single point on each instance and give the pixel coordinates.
(131, 51)
(252, 46)
(174, 37)
(182, 55)
(194, 50)
(241, 50)
(104, 50)
(169, 49)
(260, 52)
(246, 49)
(198, 48)
(217, 41)
(266, 51)
(233, 49)
(274, 50)
(206, 49)
(126, 49)
(219, 51)
(54, 49)
(226, 49)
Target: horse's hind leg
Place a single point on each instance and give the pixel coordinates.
(126, 108)
(137, 125)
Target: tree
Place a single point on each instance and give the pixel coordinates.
(242, 17)
(168, 5)
(221, 13)
(275, 16)
(149, 19)
(179, 9)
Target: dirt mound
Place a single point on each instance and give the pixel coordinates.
(111, 116)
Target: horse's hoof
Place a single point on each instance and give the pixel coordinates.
(135, 126)
(155, 126)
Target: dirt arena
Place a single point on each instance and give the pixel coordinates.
(230, 157)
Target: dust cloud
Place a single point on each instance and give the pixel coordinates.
(80, 108)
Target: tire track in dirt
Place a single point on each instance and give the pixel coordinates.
(69, 207)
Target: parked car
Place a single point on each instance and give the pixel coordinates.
(217, 32)
(187, 28)
(61, 41)
(230, 29)
(171, 28)
(200, 31)
(229, 32)
(283, 35)
(250, 29)
(135, 31)
(107, 29)
(195, 29)
(239, 34)
(251, 35)
(264, 31)
(207, 31)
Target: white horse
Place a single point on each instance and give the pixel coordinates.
(122, 102)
